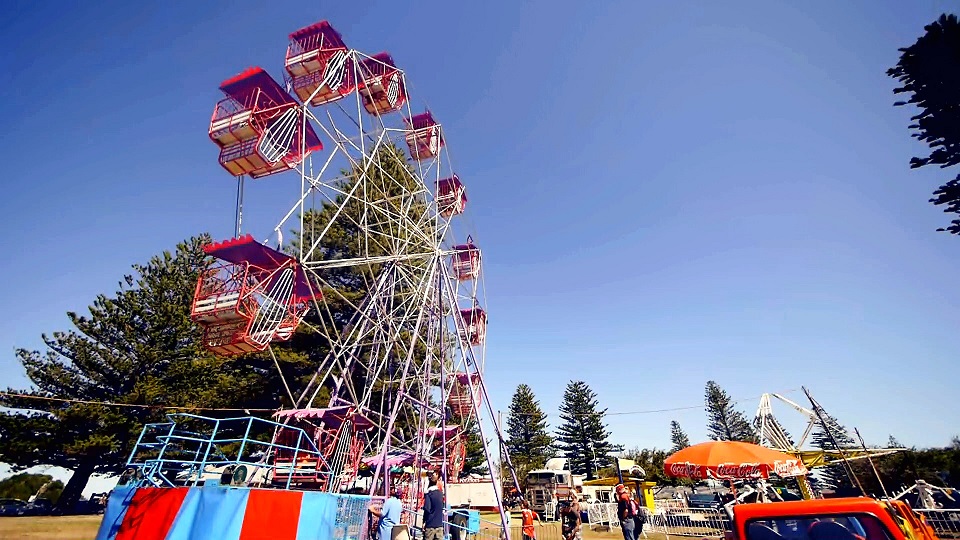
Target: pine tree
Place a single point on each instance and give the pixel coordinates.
(136, 347)
(724, 422)
(926, 73)
(832, 476)
(475, 461)
(583, 437)
(678, 437)
(528, 441)
(24, 485)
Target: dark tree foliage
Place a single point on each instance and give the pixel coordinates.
(651, 461)
(929, 73)
(476, 459)
(937, 466)
(583, 437)
(724, 422)
(678, 437)
(528, 440)
(25, 485)
(137, 347)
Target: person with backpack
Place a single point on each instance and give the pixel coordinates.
(639, 516)
(626, 512)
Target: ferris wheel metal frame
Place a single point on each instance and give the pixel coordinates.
(422, 308)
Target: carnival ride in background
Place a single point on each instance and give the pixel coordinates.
(772, 434)
(378, 235)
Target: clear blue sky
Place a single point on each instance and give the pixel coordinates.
(666, 192)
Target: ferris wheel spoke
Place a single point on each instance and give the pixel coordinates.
(341, 263)
(283, 379)
(337, 339)
(380, 314)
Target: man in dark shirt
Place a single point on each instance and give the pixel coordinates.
(570, 524)
(433, 511)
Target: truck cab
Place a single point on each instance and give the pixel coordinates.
(852, 518)
(546, 488)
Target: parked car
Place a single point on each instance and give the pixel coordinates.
(37, 507)
(11, 507)
(704, 501)
(88, 507)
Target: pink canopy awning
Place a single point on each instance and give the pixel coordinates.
(333, 416)
(395, 458)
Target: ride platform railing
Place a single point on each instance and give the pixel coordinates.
(190, 449)
(945, 521)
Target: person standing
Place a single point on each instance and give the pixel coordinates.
(526, 520)
(625, 514)
(389, 514)
(433, 511)
(570, 524)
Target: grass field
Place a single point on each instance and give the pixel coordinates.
(85, 528)
(49, 528)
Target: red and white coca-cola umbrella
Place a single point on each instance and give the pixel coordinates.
(731, 460)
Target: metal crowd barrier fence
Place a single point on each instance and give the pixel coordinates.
(945, 522)
(493, 530)
(603, 515)
(550, 512)
(675, 517)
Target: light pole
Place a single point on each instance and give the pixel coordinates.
(593, 451)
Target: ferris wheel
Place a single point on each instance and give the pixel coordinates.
(382, 274)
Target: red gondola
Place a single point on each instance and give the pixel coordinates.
(382, 86)
(319, 64)
(424, 138)
(256, 295)
(258, 126)
(456, 449)
(475, 325)
(460, 400)
(451, 196)
(466, 260)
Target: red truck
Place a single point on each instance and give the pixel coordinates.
(854, 518)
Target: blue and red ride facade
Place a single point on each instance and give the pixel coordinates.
(229, 513)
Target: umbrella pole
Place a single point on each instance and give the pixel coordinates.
(733, 489)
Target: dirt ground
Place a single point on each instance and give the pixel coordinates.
(551, 531)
